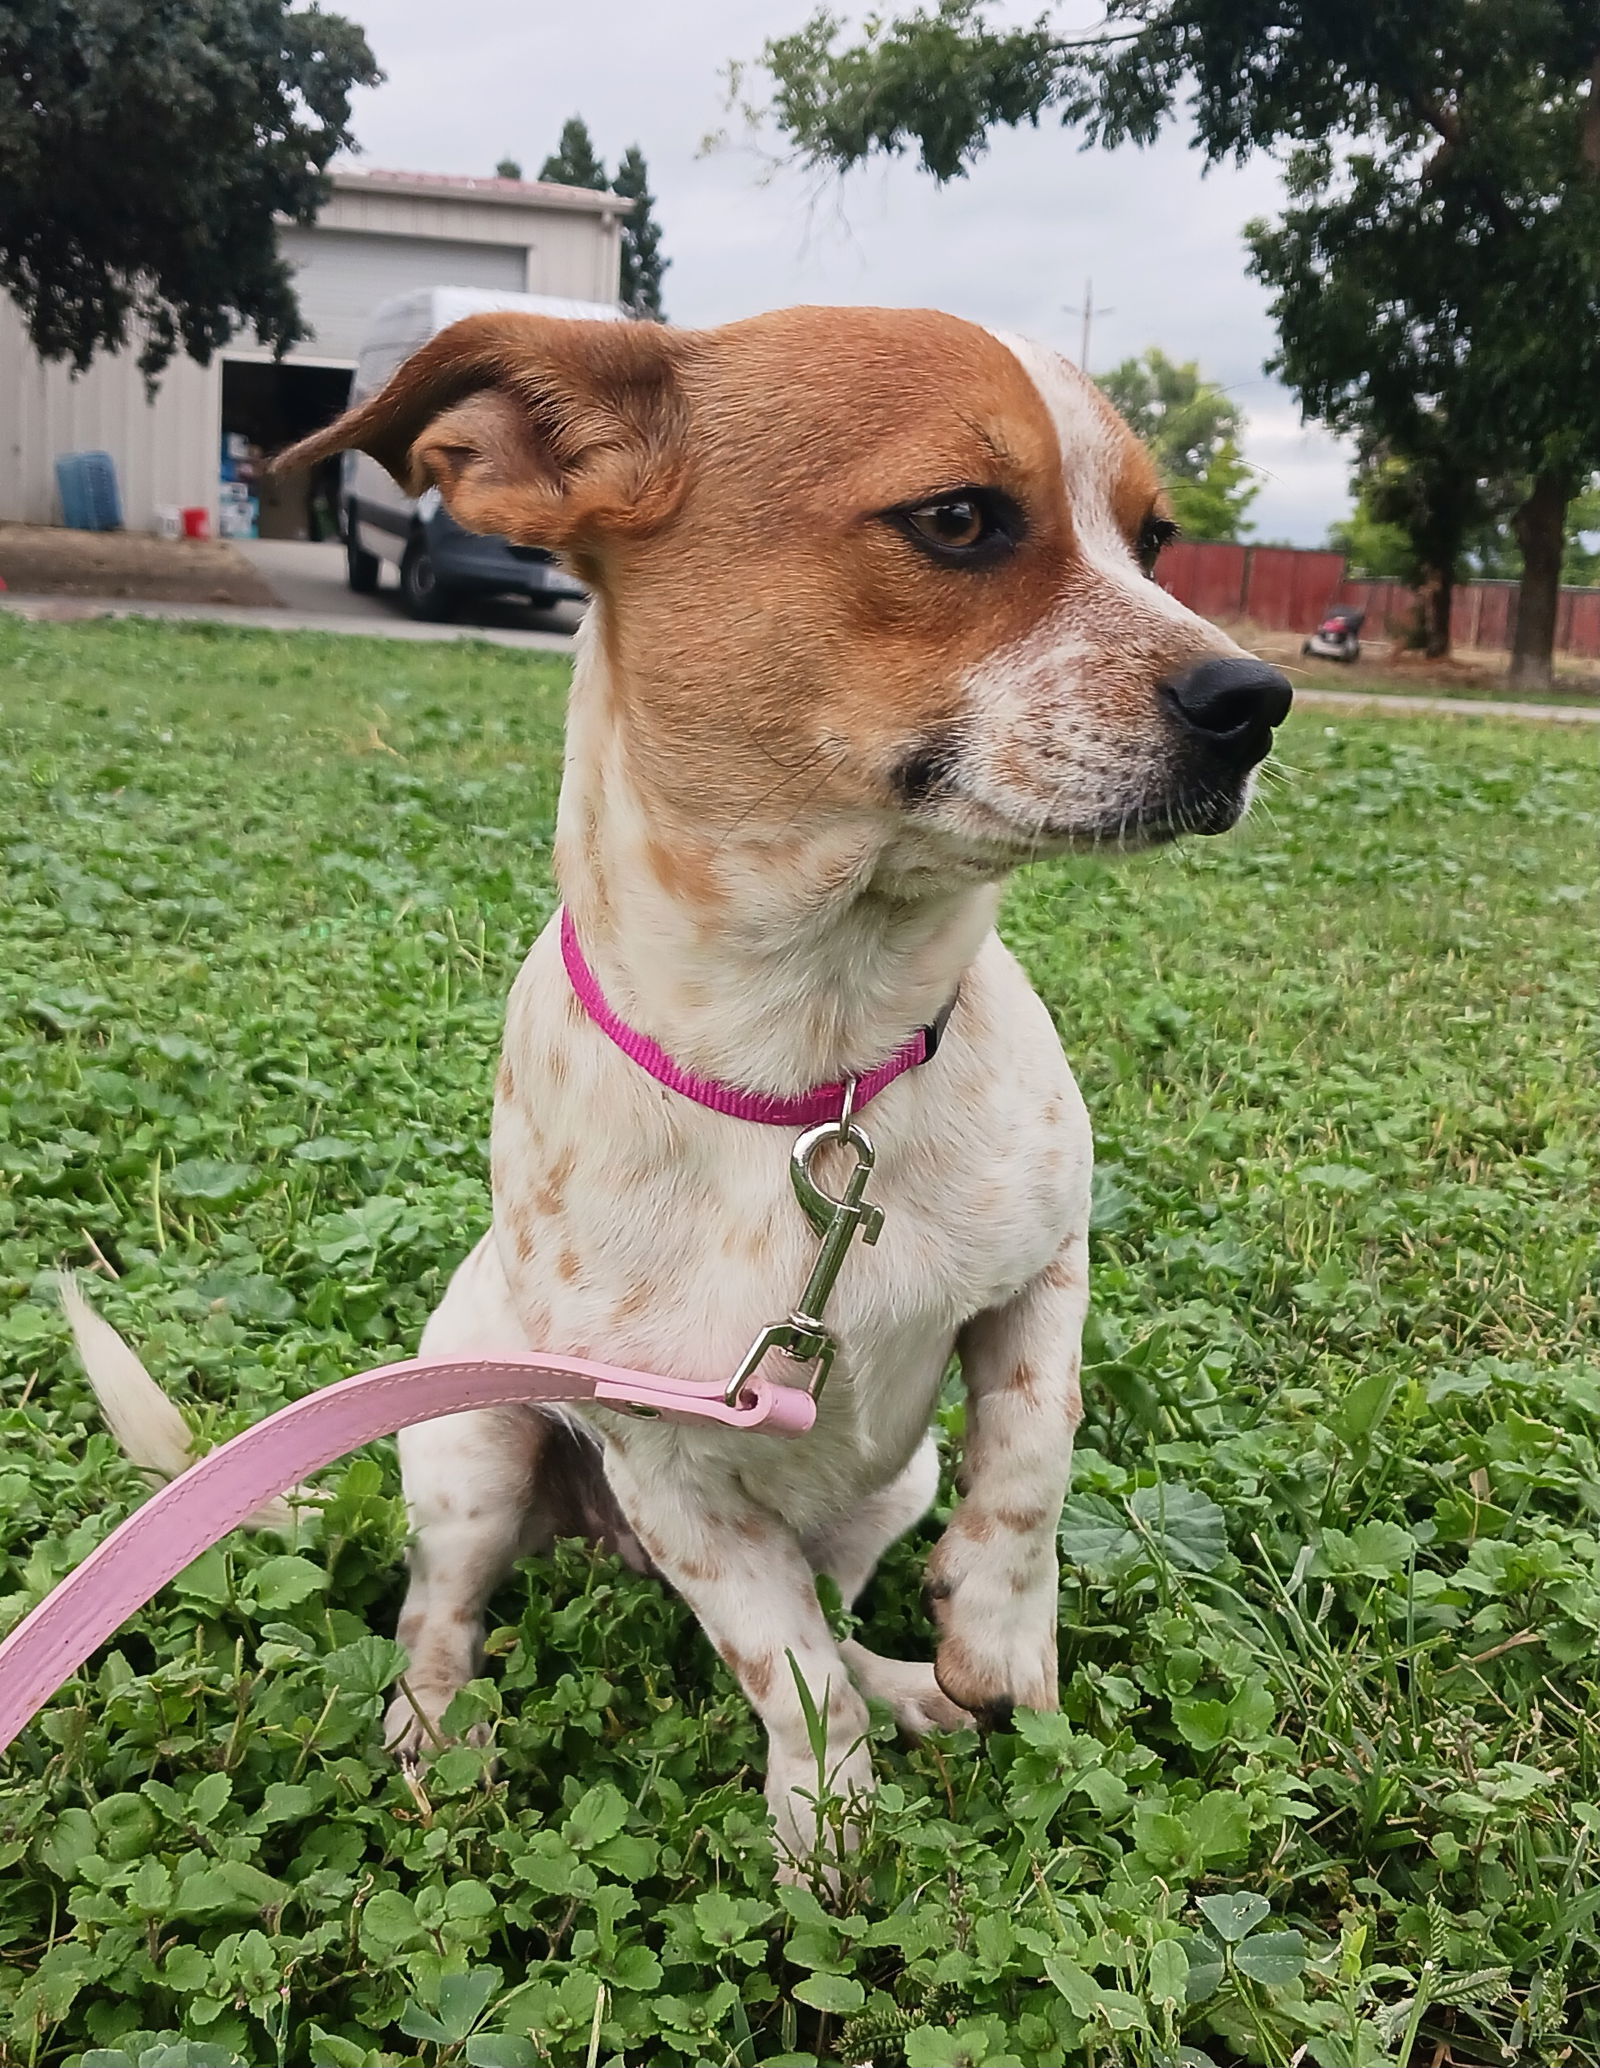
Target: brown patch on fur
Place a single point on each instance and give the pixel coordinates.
(1022, 1522)
(551, 1195)
(1022, 1381)
(754, 1674)
(634, 1301)
(567, 1264)
(676, 1568)
(1064, 1273)
(505, 1083)
(684, 869)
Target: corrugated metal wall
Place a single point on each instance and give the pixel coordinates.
(166, 451)
(342, 275)
(1209, 579)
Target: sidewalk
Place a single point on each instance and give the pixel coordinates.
(1355, 700)
(62, 610)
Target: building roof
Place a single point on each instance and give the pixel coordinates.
(497, 192)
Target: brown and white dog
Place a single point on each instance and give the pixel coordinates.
(873, 624)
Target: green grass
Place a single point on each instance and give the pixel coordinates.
(1327, 1773)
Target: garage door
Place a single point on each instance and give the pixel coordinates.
(342, 275)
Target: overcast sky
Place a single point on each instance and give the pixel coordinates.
(1011, 245)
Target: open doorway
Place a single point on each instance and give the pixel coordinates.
(267, 405)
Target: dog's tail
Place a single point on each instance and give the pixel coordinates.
(140, 1416)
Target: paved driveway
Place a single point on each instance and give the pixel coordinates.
(309, 581)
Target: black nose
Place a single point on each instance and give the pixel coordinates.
(1232, 704)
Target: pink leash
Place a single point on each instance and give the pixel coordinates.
(222, 1489)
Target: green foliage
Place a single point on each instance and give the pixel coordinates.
(575, 162)
(1193, 429)
(1376, 551)
(1184, 419)
(938, 77)
(642, 263)
(1214, 506)
(1378, 548)
(508, 169)
(1325, 1777)
(144, 153)
(1580, 560)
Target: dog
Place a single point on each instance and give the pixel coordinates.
(874, 623)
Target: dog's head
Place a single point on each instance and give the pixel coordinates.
(859, 564)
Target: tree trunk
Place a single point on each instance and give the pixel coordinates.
(1541, 527)
(1435, 593)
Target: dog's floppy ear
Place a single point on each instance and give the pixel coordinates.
(545, 431)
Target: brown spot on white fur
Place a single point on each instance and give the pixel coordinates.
(753, 1671)
(548, 1199)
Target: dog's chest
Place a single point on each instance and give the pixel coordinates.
(639, 1228)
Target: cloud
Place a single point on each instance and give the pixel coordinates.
(1012, 245)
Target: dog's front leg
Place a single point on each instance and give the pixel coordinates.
(992, 1582)
(749, 1583)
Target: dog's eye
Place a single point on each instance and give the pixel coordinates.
(969, 527)
(1154, 533)
(958, 522)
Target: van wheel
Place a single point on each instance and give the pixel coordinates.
(420, 589)
(361, 568)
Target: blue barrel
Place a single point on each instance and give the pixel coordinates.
(89, 497)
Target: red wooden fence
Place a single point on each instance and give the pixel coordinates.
(1284, 589)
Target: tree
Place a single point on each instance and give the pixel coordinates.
(145, 151)
(1580, 562)
(1376, 340)
(1466, 136)
(575, 162)
(642, 263)
(1193, 429)
(1213, 505)
(1375, 548)
(508, 169)
(1182, 418)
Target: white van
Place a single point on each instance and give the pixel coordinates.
(438, 561)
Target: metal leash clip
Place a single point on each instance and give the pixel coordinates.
(802, 1337)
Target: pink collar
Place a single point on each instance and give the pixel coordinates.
(804, 1109)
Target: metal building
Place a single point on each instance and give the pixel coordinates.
(380, 234)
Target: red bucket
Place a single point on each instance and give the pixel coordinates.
(197, 524)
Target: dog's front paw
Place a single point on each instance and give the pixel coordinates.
(993, 1599)
(413, 1725)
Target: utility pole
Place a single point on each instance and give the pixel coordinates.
(1088, 312)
